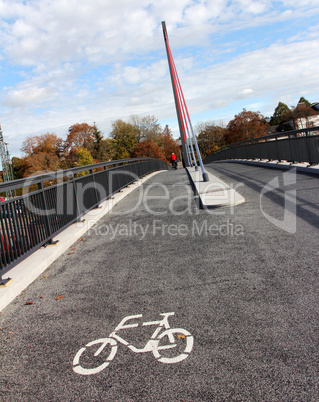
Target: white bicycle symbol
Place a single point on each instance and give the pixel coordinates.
(153, 345)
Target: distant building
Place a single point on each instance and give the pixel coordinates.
(303, 116)
(312, 120)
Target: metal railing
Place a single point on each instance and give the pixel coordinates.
(292, 146)
(51, 202)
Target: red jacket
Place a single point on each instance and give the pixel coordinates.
(173, 157)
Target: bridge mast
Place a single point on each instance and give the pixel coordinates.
(176, 98)
(182, 114)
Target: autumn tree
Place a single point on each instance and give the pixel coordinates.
(210, 138)
(41, 163)
(47, 143)
(148, 149)
(80, 135)
(83, 158)
(246, 125)
(125, 137)
(168, 144)
(103, 148)
(19, 167)
(41, 154)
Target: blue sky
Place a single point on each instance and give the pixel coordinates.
(71, 61)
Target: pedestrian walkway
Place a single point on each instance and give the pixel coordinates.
(178, 303)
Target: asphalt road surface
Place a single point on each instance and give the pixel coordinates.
(241, 285)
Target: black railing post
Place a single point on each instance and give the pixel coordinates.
(97, 202)
(78, 212)
(291, 156)
(47, 224)
(15, 233)
(277, 149)
(308, 149)
(107, 183)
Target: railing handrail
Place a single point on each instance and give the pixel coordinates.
(277, 136)
(19, 183)
(288, 146)
(32, 220)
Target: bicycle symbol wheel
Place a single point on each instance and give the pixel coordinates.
(182, 336)
(79, 369)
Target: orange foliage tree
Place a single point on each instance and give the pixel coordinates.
(210, 138)
(246, 125)
(41, 163)
(81, 135)
(168, 144)
(42, 153)
(47, 143)
(148, 149)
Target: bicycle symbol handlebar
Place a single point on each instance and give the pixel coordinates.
(154, 345)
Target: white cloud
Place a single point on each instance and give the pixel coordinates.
(98, 60)
(273, 71)
(246, 93)
(60, 31)
(23, 96)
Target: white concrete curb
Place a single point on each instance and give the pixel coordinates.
(29, 269)
(300, 167)
(214, 193)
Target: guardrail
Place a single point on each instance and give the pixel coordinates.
(292, 146)
(59, 199)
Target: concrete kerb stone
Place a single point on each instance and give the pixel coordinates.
(24, 273)
(300, 167)
(215, 192)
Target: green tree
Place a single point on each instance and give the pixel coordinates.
(305, 101)
(97, 144)
(107, 149)
(125, 137)
(280, 115)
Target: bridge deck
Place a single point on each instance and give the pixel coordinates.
(242, 281)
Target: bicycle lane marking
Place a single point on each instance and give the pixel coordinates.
(77, 368)
(183, 356)
(153, 345)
